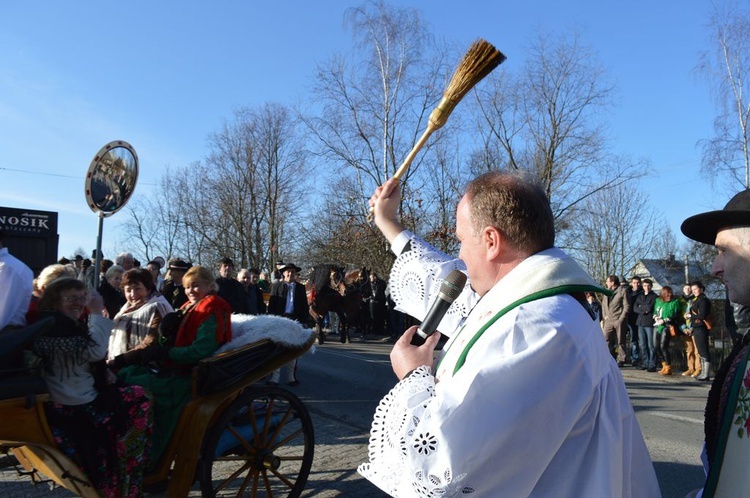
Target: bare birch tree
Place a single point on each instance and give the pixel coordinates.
(611, 236)
(156, 224)
(243, 201)
(547, 119)
(373, 105)
(726, 156)
(256, 176)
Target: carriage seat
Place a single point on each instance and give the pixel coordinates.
(229, 368)
(21, 385)
(258, 343)
(15, 379)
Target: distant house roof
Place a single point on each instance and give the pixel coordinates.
(676, 273)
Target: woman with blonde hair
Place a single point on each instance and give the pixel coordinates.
(48, 275)
(51, 273)
(197, 330)
(111, 290)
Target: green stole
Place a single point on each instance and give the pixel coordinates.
(568, 289)
(537, 277)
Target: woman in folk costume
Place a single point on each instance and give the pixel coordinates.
(203, 324)
(103, 428)
(136, 325)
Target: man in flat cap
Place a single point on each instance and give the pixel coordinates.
(726, 453)
(173, 289)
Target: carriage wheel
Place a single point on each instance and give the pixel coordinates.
(261, 446)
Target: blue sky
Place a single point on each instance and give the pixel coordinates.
(163, 75)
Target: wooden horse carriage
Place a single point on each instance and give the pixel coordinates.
(236, 437)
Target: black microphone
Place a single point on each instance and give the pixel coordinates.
(449, 291)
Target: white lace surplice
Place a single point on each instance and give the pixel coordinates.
(538, 409)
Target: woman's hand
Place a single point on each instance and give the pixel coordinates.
(95, 304)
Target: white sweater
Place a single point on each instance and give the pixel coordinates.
(71, 383)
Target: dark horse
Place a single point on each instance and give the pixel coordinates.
(328, 291)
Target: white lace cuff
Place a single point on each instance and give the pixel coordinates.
(393, 426)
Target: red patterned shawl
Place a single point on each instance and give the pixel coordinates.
(211, 305)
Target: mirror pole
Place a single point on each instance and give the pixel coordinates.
(98, 264)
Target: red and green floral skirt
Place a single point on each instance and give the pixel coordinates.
(108, 438)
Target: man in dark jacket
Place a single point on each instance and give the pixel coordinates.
(634, 291)
(253, 293)
(614, 319)
(289, 299)
(173, 290)
(230, 289)
(644, 308)
(377, 304)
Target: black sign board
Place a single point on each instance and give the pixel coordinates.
(30, 235)
(27, 222)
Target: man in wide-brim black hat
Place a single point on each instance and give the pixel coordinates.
(288, 298)
(727, 448)
(290, 266)
(173, 289)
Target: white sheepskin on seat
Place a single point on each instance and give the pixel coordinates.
(247, 329)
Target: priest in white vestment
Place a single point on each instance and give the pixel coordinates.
(524, 399)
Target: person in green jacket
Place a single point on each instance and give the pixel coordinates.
(667, 315)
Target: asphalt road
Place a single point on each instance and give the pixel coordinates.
(350, 379)
(670, 413)
(342, 384)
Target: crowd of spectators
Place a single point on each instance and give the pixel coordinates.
(641, 328)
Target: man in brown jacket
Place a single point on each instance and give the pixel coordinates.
(615, 310)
